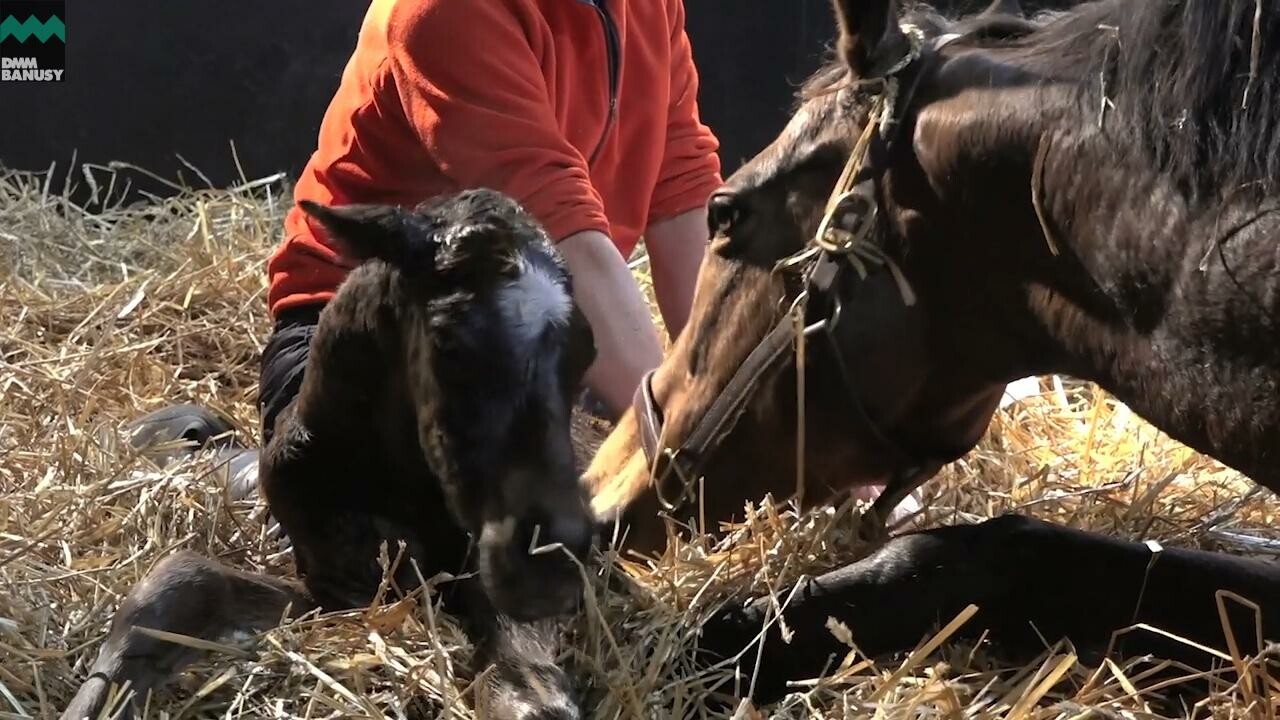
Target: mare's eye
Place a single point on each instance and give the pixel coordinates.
(723, 212)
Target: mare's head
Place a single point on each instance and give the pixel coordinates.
(493, 351)
(967, 213)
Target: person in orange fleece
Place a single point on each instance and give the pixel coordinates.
(584, 111)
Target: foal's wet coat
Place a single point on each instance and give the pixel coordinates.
(435, 411)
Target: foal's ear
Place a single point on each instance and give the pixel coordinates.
(368, 231)
(1004, 7)
(870, 39)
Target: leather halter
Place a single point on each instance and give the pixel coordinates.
(833, 251)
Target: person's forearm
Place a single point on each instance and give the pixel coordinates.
(676, 247)
(626, 341)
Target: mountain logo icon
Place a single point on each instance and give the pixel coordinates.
(32, 28)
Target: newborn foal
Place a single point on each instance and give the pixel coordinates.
(435, 410)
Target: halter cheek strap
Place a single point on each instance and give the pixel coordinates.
(835, 246)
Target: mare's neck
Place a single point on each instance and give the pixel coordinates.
(1191, 345)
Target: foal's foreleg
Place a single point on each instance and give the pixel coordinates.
(519, 675)
(516, 666)
(1032, 582)
(514, 662)
(185, 594)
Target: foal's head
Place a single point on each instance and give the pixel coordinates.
(976, 191)
(493, 351)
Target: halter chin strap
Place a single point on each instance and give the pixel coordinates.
(834, 248)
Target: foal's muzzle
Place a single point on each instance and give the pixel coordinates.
(531, 560)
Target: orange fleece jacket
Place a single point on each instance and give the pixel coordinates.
(516, 96)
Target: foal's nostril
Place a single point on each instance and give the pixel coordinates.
(571, 531)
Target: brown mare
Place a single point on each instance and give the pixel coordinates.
(1091, 192)
(435, 410)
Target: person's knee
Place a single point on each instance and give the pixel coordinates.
(284, 360)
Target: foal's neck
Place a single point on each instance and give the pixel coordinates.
(353, 379)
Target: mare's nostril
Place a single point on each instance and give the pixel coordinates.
(723, 211)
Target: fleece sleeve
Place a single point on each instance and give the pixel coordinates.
(690, 169)
(474, 95)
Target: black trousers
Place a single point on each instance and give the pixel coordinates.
(284, 360)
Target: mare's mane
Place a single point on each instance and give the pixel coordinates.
(1189, 83)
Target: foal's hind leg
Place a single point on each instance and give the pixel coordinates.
(192, 425)
(185, 594)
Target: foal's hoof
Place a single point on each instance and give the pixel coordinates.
(242, 471)
(192, 425)
(882, 515)
(96, 699)
(89, 700)
(872, 531)
(526, 692)
(872, 528)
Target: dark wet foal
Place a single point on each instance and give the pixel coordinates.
(956, 205)
(435, 411)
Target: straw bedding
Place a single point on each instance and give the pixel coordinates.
(105, 317)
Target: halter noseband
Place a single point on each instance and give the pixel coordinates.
(820, 265)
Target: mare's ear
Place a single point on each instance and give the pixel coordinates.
(368, 231)
(871, 40)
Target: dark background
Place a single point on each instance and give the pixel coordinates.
(149, 80)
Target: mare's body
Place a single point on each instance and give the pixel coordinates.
(1094, 193)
